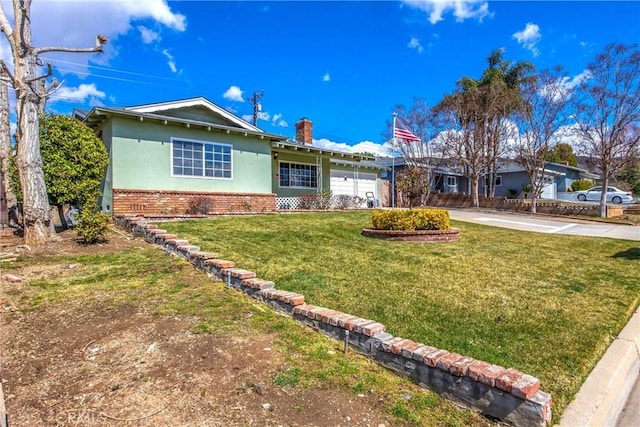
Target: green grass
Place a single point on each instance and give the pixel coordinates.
(548, 305)
(154, 283)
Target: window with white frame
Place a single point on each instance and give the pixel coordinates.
(201, 159)
(298, 175)
(451, 181)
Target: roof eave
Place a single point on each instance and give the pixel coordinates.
(103, 112)
(307, 148)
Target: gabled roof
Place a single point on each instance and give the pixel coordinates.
(194, 112)
(170, 108)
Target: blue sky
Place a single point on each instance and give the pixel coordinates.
(344, 65)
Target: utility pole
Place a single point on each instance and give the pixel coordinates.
(257, 107)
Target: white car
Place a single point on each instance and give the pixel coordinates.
(614, 195)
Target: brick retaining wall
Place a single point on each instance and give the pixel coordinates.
(152, 203)
(506, 394)
(552, 207)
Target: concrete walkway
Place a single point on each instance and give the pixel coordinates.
(610, 396)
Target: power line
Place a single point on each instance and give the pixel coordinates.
(108, 69)
(83, 73)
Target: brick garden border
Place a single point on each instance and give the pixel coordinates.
(500, 393)
(433, 236)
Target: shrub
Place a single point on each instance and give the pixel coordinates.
(200, 205)
(92, 225)
(316, 201)
(413, 219)
(344, 201)
(581, 184)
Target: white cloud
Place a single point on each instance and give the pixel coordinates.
(113, 18)
(529, 37)
(326, 78)
(171, 62)
(276, 120)
(361, 147)
(414, 43)
(234, 93)
(569, 134)
(148, 36)
(564, 86)
(82, 93)
(461, 9)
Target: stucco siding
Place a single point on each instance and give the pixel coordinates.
(295, 157)
(106, 187)
(141, 159)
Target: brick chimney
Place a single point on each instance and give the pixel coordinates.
(304, 131)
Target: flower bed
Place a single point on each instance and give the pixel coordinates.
(416, 225)
(450, 235)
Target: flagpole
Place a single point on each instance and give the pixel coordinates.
(393, 162)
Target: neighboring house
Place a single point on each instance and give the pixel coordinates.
(192, 156)
(446, 178)
(510, 178)
(557, 178)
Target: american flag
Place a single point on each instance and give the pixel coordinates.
(401, 132)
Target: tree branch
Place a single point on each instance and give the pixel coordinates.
(44, 76)
(5, 26)
(101, 40)
(5, 70)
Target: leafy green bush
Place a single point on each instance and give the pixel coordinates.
(581, 184)
(92, 225)
(413, 219)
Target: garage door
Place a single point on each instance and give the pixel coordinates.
(548, 191)
(352, 184)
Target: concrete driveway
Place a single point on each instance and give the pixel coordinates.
(546, 224)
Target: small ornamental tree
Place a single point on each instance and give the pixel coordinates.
(74, 161)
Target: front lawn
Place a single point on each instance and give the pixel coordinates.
(548, 305)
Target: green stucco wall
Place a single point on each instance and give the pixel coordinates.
(298, 157)
(141, 159)
(106, 187)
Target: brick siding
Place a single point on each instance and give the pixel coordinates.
(159, 204)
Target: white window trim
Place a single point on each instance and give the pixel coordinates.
(455, 181)
(198, 141)
(299, 163)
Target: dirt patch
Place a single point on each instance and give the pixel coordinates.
(92, 363)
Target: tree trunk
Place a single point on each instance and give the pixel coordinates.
(36, 212)
(474, 191)
(8, 200)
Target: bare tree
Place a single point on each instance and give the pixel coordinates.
(461, 136)
(8, 199)
(31, 94)
(421, 157)
(545, 99)
(608, 110)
